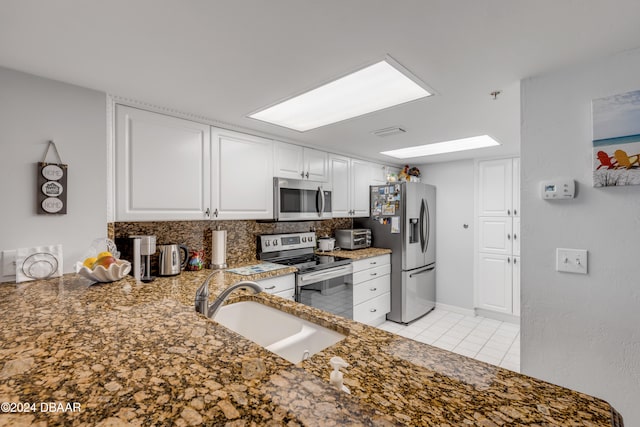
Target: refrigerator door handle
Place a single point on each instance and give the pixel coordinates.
(423, 271)
(423, 221)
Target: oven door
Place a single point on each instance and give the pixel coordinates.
(296, 200)
(329, 290)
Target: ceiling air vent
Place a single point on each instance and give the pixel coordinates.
(389, 131)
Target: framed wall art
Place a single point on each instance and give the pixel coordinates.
(616, 140)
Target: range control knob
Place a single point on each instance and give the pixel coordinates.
(275, 242)
(304, 239)
(267, 243)
(310, 238)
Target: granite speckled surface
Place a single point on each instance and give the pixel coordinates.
(138, 354)
(357, 254)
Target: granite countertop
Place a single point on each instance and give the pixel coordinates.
(357, 254)
(138, 354)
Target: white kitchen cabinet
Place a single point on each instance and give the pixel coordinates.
(162, 167)
(242, 176)
(516, 285)
(498, 243)
(495, 274)
(515, 186)
(515, 237)
(350, 181)
(495, 187)
(378, 174)
(295, 162)
(282, 286)
(372, 289)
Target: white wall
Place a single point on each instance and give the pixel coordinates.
(34, 110)
(454, 183)
(579, 331)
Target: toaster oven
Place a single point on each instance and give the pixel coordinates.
(353, 238)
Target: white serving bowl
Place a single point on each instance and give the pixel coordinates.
(116, 271)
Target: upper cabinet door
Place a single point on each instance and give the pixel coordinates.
(162, 167)
(316, 164)
(289, 161)
(340, 173)
(495, 188)
(295, 162)
(361, 172)
(242, 178)
(378, 174)
(516, 187)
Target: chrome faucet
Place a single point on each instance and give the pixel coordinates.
(202, 296)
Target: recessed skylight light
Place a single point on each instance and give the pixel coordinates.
(471, 143)
(378, 86)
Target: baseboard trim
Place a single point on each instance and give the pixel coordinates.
(456, 309)
(503, 317)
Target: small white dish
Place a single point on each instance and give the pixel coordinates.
(116, 271)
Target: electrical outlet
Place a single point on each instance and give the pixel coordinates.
(571, 260)
(8, 265)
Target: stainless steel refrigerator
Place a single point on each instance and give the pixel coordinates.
(402, 218)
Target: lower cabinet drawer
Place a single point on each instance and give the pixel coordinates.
(371, 288)
(288, 294)
(371, 273)
(277, 284)
(369, 311)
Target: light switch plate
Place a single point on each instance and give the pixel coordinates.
(571, 260)
(8, 272)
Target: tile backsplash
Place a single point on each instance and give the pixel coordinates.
(241, 234)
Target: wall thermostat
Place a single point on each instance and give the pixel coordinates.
(558, 189)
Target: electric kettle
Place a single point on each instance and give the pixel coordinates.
(169, 260)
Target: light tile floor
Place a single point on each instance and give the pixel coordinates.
(484, 339)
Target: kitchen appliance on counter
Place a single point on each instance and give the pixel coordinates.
(352, 239)
(170, 263)
(301, 200)
(402, 218)
(326, 244)
(138, 251)
(322, 281)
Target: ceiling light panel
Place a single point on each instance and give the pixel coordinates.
(376, 87)
(471, 143)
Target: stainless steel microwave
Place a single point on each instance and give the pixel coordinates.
(301, 200)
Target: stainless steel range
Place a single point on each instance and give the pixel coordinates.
(322, 281)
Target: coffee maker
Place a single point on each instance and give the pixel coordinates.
(138, 250)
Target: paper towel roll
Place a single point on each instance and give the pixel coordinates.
(219, 249)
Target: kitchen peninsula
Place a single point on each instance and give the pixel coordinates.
(138, 354)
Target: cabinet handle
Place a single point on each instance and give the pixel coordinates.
(508, 236)
(515, 236)
(302, 174)
(514, 261)
(373, 289)
(508, 260)
(307, 175)
(271, 287)
(373, 263)
(207, 213)
(374, 274)
(373, 310)
(515, 212)
(215, 213)
(508, 211)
